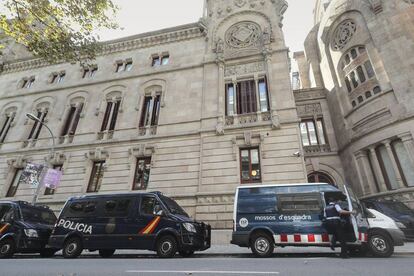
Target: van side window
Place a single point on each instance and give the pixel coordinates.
(81, 209)
(117, 208)
(5, 211)
(147, 205)
(303, 203)
(249, 204)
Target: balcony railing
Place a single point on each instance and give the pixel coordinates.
(317, 149)
(244, 119)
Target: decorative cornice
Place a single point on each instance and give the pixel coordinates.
(172, 35)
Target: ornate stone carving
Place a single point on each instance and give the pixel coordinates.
(220, 126)
(343, 34)
(97, 155)
(309, 109)
(243, 35)
(240, 3)
(275, 120)
(242, 69)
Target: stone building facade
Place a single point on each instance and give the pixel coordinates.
(192, 111)
(357, 74)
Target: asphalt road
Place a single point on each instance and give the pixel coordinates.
(204, 265)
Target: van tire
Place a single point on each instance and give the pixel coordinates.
(106, 253)
(7, 248)
(166, 246)
(262, 245)
(380, 244)
(72, 248)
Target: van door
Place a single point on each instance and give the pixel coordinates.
(358, 220)
(147, 222)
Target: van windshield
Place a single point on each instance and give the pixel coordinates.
(36, 215)
(173, 206)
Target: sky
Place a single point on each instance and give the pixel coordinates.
(140, 16)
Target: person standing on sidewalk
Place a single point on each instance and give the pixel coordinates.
(333, 213)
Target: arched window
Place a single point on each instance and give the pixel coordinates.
(320, 177)
(358, 75)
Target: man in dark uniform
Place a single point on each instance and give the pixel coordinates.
(333, 213)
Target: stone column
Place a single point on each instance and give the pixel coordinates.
(400, 182)
(366, 176)
(408, 142)
(377, 170)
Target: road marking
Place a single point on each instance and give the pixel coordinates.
(204, 272)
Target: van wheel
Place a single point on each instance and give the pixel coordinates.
(186, 253)
(106, 253)
(262, 245)
(380, 245)
(72, 248)
(47, 252)
(7, 248)
(166, 247)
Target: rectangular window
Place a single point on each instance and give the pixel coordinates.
(61, 77)
(361, 74)
(312, 132)
(106, 116)
(93, 72)
(128, 66)
(369, 69)
(246, 97)
(6, 127)
(264, 96)
(142, 173)
(76, 119)
(14, 185)
(250, 165)
(150, 111)
(37, 127)
(156, 61)
(165, 60)
(49, 191)
(85, 73)
(148, 205)
(230, 99)
(119, 67)
(114, 115)
(89, 72)
(69, 119)
(248, 204)
(95, 180)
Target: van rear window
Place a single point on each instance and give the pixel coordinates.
(257, 204)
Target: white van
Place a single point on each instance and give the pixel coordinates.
(266, 216)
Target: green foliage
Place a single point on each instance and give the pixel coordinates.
(58, 30)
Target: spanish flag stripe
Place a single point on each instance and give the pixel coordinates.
(3, 228)
(151, 226)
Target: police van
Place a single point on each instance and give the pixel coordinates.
(25, 228)
(293, 215)
(148, 221)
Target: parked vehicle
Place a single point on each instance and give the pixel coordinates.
(25, 228)
(293, 215)
(149, 221)
(398, 211)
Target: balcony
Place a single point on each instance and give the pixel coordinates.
(317, 149)
(245, 119)
(147, 131)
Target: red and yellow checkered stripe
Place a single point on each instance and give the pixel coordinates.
(3, 228)
(151, 226)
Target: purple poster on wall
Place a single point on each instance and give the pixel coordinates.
(51, 178)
